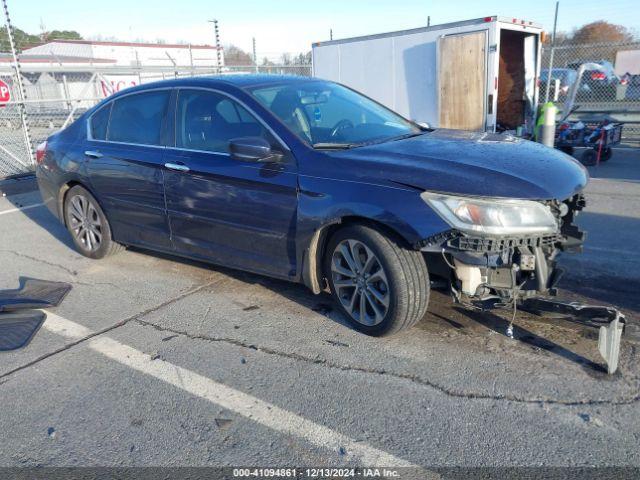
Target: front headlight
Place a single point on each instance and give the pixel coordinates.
(493, 216)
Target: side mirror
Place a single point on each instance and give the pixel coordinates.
(252, 149)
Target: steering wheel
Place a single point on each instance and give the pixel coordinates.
(341, 125)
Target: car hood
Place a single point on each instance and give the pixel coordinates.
(470, 163)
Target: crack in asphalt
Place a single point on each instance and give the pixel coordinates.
(116, 325)
(93, 284)
(403, 376)
(40, 260)
(294, 356)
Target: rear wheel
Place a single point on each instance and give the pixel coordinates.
(379, 285)
(606, 154)
(88, 224)
(589, 157)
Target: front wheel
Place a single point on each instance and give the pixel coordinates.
(381, 286)
(566, 149)
(88, 224)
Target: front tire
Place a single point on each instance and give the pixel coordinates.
(88, 225)
(381, 286)
(566, 149)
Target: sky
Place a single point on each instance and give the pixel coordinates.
(292, 25)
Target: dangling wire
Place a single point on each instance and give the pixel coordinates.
(446, 260)
(515, 289)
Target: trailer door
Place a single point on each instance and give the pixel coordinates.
(462, 77)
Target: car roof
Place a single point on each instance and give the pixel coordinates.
(221, 81)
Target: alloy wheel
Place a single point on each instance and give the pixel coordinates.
(84, 222)
(360, 282)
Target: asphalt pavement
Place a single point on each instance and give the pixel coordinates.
(157, 361)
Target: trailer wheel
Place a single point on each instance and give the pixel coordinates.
(606, 154)
(566, 149)
(589, 157)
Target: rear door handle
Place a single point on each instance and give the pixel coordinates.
(92, 154)
(177, 166)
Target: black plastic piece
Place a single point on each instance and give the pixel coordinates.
(33, 293)
(17, 329)
(499, 244)
(589, 315)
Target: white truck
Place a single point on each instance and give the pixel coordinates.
(479, 74)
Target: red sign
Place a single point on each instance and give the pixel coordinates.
(117, 83)
(5, 93)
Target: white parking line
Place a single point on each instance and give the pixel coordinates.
(250, 407)
(19, 209)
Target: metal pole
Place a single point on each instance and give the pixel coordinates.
(175, 65)
(138, 67)
(255, 56)
(216, 33)
(21, 91)
(65, 87)
(553, 44)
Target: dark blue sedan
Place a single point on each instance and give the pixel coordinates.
(309, 181)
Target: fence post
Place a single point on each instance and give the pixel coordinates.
(21, 90)
(553, 46)
(65, 87)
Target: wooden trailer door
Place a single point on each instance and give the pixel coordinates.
(462, 76)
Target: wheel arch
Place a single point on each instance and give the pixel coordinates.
(62, 195)
(312, 270)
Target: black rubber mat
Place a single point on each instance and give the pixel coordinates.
(33, 293)
(17, 329)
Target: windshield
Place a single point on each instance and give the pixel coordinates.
(328, 115)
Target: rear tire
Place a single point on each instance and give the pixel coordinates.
(606, 154)
(369, 269)
(88, 225)
(589, 157)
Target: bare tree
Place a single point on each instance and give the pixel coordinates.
(234, 55)
(285, 58)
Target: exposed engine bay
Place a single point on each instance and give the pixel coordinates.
(506, 268)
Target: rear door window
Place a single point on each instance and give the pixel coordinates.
(138, 118)
(99, 122)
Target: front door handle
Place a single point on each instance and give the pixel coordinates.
(177, 166)
(92, 154)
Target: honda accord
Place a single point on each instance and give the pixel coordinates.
(310, 181)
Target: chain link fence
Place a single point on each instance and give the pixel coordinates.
(608, 92)
(56, 96)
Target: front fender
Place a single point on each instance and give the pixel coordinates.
(325, 202)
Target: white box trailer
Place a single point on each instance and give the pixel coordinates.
(479, 74)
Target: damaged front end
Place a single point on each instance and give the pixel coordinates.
(492, 262)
